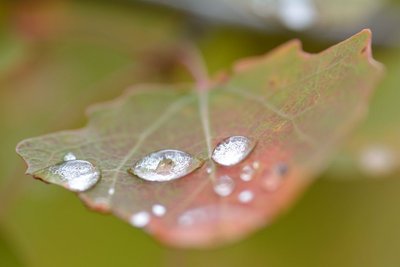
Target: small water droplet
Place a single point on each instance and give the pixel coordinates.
(245, 196)
(274, 180)
(209, 170)
(140, 219)
(247, 173)
(111, 191)
(271, 183)
(75, 175)
(165, 165)
(159, 210)
(232, 150)
(256, 165)
(281, 169)
(69, 156)
(224, 186)
(192, 216)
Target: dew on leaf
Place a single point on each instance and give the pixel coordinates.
(158, 210)
(247, 173)
(281, 169)
(273, 181)
(232, 150)
(245, 196)
(111, 191)
(76, 175)
(224, 186)
(165, 165)
(69, 156)
(140, 219)
(192, 216)
(256, 165)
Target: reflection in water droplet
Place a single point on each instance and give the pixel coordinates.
(224, 186)
(76, 175)
(232, 150)
(69, 156)
(140, 219)
(247, 173)
(165, 165)
(159, 210)
(245, 196)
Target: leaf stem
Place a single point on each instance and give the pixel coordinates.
(191, 58)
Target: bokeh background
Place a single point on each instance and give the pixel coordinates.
(58, 57)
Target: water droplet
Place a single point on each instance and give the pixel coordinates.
(281, 169)
(378, 160)
(165, 165)
(224, 186)
(247, 173)
(271, 183)
(232, 150)
(76, 175)
(192, 216)
(209, 170)
(256, 165)
(158, 210)
(140, 219)
(245, 196)
(69, 156)
(111, 191)
(274, 180)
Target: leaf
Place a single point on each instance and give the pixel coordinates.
(374, 149)
(297, 107)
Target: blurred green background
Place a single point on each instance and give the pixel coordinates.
(58, 57)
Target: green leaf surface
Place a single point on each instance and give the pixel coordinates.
(297, 107)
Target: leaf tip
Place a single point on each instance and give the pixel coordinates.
(366, 50)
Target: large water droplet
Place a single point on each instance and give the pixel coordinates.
(140, 219)
(76, 175)
(165, 165)
(232, 150)
(224, 186)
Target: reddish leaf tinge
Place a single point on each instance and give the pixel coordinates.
(297, 106)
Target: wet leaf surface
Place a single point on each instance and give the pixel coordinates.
(296, 106)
